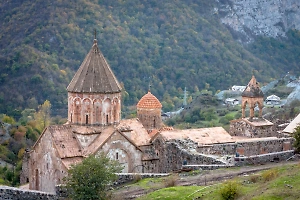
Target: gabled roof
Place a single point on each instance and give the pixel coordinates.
(94, 75)
(65, 141)
(135, 130)
(149, 101)
(273, 98)
(103, 138)
(291, 127)
(252, 89)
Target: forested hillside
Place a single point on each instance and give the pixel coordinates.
(169, 44)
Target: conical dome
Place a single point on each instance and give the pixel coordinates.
(94, 75)
(149, 101)
(252, 89)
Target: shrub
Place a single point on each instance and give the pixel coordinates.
(229, 190)
(171, 180)
(137, 178)
(269, 174)
(254, 178)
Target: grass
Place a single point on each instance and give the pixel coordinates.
(275, 184)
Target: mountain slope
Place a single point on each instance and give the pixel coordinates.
(170, 44)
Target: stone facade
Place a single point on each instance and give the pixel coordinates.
(119, 148)
(248, 147)
(172, 155)
(243, 127)
(150, 118)
(94, 109)
(45, 166)
(149, 112)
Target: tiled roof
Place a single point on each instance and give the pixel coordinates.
(94, 75)
(252, 89)
(149, 101)
(134, 130)
(201, 136)
(65, 141)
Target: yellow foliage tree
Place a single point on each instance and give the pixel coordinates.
(42, 116)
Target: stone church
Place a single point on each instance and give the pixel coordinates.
(142, 144)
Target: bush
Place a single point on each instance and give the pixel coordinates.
(171, 180)
(269, 174)
(254, 178)
(137, 178)
(229, 190)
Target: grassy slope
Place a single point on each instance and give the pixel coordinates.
(285, 185)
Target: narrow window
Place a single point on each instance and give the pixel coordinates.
(71, 117)
(106, 119)
(154, 123)
(117, 155)
(86, 119)
(37, 179)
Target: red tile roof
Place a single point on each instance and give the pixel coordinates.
(149, 101)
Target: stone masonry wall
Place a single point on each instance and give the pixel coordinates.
(242, 128)
(249, 148)
(265, 158)
(172, 154)
(11, 193)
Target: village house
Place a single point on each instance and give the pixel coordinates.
(143, 144)
(272, 100)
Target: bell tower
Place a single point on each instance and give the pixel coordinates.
(94, 94)
(253, 96)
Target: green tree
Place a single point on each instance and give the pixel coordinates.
(91, 178)
(296, 135)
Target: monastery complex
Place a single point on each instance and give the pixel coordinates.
(143, 144)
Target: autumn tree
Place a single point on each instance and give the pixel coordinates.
(91, 178)
(42, 116)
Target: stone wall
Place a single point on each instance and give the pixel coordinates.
(243, 128)
(172, 154)
(127, 177)
(264, 158)
(249, 148)
(10, 193)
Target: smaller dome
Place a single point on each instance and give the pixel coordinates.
(149, 101)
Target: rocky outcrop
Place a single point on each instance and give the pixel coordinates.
(272, 18)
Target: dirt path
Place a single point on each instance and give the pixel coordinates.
(207, 177)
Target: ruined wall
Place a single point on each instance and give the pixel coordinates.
(218, 149)
(242, 128)
(24, 176)
(172, 155)
(249, 148)
(45, 167)
(264, 158)
(117, 147)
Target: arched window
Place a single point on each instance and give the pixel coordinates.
(86, 119)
